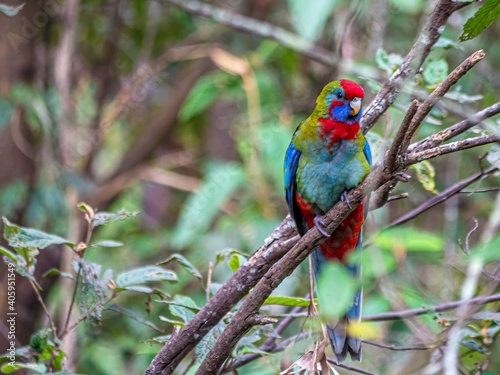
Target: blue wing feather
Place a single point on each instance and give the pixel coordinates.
(368, 152)
(291, 164)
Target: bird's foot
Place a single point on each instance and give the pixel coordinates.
(320, 224)
(345, 198)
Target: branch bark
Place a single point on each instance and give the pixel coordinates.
(239, 284)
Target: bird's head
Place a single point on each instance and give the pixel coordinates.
(341, 101)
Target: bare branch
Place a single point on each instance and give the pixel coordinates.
(441, 197)
(416, 157)
(437, 94)
(446, 134)
(396, 147)
(405, 314)
(395, 347)
(351, 367)
(260, 28)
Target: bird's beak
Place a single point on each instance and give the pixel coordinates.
(355, 105)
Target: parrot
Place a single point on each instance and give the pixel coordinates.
(328, 156)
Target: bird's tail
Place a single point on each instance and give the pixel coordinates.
(342, 342)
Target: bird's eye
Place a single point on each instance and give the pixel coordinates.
(340, 95)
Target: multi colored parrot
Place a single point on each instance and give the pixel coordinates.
(328, 156)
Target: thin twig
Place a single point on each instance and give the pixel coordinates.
(396, 147)
(351, 367)
(44, 307)
(476, 225)
(88, 236)
(479, 190)
(395, 347)
(405, 314)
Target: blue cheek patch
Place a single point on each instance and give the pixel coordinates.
(341, 113)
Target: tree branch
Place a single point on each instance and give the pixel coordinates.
(446, 134)
(441, 197)
(416, 157)
(412, 63)
(239, 284)
(405, 314)
(260, 28)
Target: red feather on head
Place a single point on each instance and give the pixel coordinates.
(352, 89)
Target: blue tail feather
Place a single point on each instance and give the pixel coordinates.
(342, 343)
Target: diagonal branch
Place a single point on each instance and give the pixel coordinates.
(451, 132)
(405, 314)
(239, 284)
(482, 140)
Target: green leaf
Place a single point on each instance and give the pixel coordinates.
(11, 10)
(483, 18)
(309, 17)
(102, 218)
(425, 175)
(35, 367)
(435, 71)
(108, 243)
(94, 289)
(287, 301)
(336, 290)
(182, 307)
(184, 263)
(222, 255)
(144, 275)
(388, 62)
(200, 208)
(375, 262)
(84, 207)
(133, 315)
(57, 272)
(208, 342)
(27, 237)
(234, 262)
(136, 288)
(409, 239)
(157, 340)
(172, 321)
